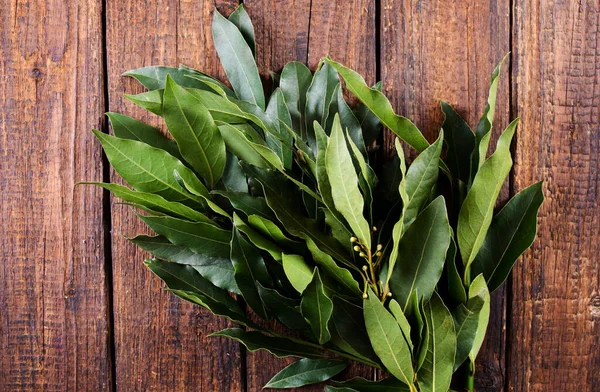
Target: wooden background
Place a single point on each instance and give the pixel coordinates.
(79, 311)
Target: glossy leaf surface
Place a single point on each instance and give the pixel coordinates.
(237, 60)
(317, 307)
(305, 372)
(511, 233)
(477, 210)
(387, 339)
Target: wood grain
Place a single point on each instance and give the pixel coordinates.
(555, 331)
(433, 50)
(161, 342)
(54, 325)
(306, 31)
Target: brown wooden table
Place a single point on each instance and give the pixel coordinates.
(79, 311)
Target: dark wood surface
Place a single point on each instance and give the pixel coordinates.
(55, 332)
(79, 311)
(554, 330)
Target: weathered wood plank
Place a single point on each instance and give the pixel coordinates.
(447, 50)
(161, 342)
(54, 329)
(555, 329)
(306, 31)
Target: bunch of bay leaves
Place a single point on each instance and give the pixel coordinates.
(278, 206)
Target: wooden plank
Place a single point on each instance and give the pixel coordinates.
(306, 31)
(447, 50)
(161, 342)
(54, 329)
(555, 330)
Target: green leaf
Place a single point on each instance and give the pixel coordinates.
(326, 262)
(253, 110)
(136, 164)
(338, 230)
(269, 229)
(377, 103)
(391, 176)
(329, 388)
(479, 289)
(242, 21)
(421, 254)
(348, 328)
(219, 271)
(153, 202)
(186, 278)
(511, 233)
(389, 384)
(200, 237)
(387, 339)
(466, 320)
(225, 110)
(322, 178)
(400, 317)
(294, 83)
(198, 189)
(285, 309)
(194, 131)
(344, 184)
(456, 289)
(482, 132)
(214, 306)
(367, 180)
(421, 176)
(248, 204)
(237, 139)
(153, 77)
(424, 339)
(297, 271)
(369, 123)
(257, 239)
(149, 100)
(367, 174)
(398, 228)
(129, 128)
(278, 346)
(461, 143)
(414, 314)
(318, 97)
(246, 150)
(476, 212)
(249, 268)
(234, 179)
(237, 60)
(280, 116)
(316, 307)
(306, 372)
(436, 372)
(213, 85)
(350, 123)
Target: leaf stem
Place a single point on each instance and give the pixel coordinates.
(471, 377)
